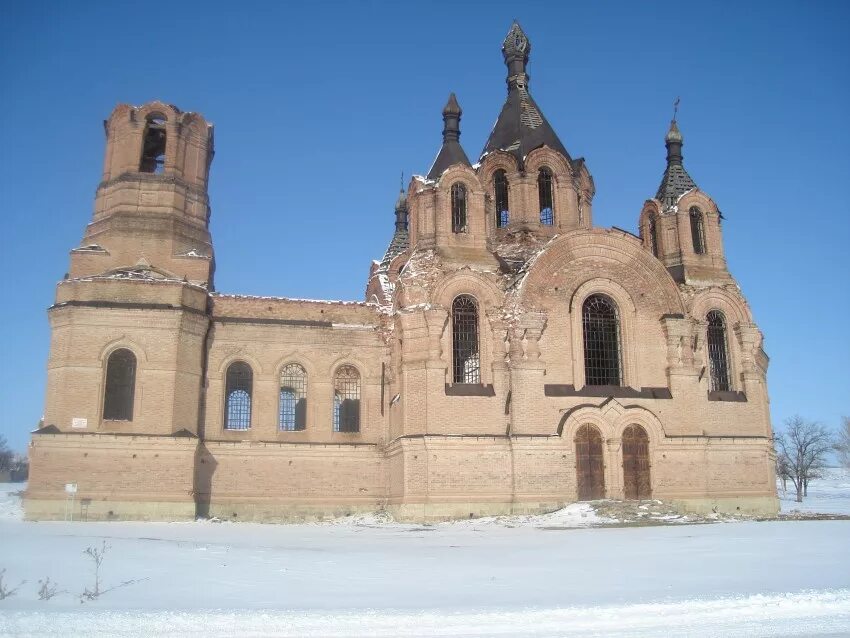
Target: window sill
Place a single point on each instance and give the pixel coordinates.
(727, 395)
(470, 390)
(619, 391)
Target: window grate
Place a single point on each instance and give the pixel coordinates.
(238, 384)
(544, 191)
(717, 353)
(346, 416)
(697, 231)
(120, 386)
(466, 358)
(458, 208)
(500, 186)
(601, 341)
(292, 412)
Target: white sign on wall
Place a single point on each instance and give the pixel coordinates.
(77, 422)
(70, 488)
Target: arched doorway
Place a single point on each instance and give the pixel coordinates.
(636, 481)
(590, 469)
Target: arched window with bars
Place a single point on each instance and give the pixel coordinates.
(458, 208)
(239, 382)
(292, 409)
(697, 231)
(466, 357)
(652, 230)
(120, 386)
(718, 359)
(602, 352)
(546, 196)
(500, 193)
(346, 415)
(153, 145)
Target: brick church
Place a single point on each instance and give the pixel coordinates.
(509, 356)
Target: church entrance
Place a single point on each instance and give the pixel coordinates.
(590, 468)
(636, 481)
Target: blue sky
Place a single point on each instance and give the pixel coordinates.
(319, 108)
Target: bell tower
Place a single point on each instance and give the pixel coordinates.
(152, 209)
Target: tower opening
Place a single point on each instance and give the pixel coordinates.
(153, 146)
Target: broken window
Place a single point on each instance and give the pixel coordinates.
(717, 353)
(238, 390)
(346, 416)
(500, 187)
(120, 386)
(458, 208)
(466, 358)
(544, 192)
(292, 414)
(153, 146)
(697, 231)
(601, 323)
(653, 234)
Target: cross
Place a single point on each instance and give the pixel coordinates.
(676, 107)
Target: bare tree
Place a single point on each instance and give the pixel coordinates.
(801, 450)
(6, 455)
(782, 471)
(842, 445)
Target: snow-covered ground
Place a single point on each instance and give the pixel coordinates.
(830, 495)
(364, 576)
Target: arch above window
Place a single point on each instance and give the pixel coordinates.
(697, 230)
(718, 357)
(545, 196)
(602, 347)
(120, 386)
(466, 355)
(346, 409)
(239, 382)
(459, 197)
(500, 194)
(292, 408)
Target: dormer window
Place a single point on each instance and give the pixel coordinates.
(459, 208)
(500, 192)
(544, 191)
(153, 146)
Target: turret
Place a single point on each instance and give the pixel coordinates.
(152, 207)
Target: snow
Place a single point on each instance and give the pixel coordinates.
(365, 575)
(830, 495)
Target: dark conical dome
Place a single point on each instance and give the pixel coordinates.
(521, 127)
(675, 182)
(451, 152)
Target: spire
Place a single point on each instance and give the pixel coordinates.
(676, 181)
(521, 126)
(401, 208)
(451, 152)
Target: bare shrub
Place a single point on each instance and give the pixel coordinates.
(5, 591)
(48, 590)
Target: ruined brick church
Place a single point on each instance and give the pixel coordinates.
(509, 356)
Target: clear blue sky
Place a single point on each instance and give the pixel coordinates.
(319, 107)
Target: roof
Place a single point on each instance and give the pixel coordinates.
(521, 126)
(675, 182)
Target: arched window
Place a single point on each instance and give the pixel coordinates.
(292, 411)
(717, 352)
(466, 359)
(544, 193)
(238, 389)
(653, 234)
(458, 208)
(120, 386)
(601, 323)
(500, 188)
(346, 415)
(697, 231)
(153, 146)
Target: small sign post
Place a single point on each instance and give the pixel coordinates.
(71, 492)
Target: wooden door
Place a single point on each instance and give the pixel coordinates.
(590, 468)
(636, 480)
